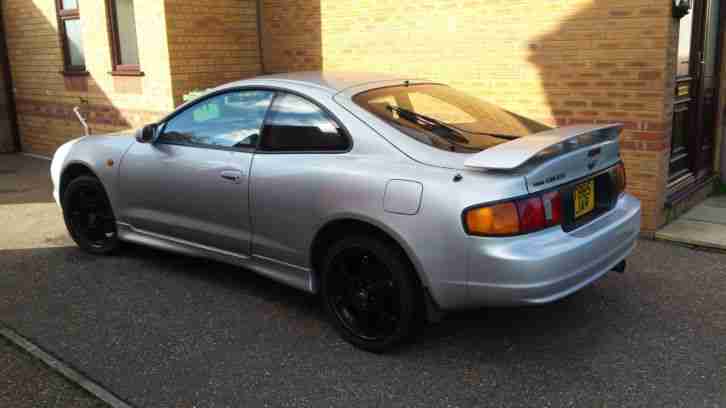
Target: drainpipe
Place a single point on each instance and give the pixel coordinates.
(259, 37)
(86, 129)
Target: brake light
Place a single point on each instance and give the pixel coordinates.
(531, 214)
(621, 180)
(516, 217)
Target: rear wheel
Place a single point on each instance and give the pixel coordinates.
(88, 216)
(371, 293)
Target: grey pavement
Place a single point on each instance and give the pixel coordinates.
(162, 330)
(25, 382)
(704, 225)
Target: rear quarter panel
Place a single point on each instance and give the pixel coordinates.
(295, 195)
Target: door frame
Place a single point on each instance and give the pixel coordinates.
(8, 88)
(696, 128)
(699, 159)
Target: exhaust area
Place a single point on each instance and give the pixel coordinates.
(620, 268)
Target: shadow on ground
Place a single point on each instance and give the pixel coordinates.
(161, 329)
(24, 180)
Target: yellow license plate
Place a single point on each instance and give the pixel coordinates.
(584, 198)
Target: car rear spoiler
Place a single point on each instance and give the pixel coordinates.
(510, 155)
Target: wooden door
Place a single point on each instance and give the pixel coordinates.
(696, 93)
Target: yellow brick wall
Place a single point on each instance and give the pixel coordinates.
(211, 42)
(558, 61)
(291, 33)
(45, 97)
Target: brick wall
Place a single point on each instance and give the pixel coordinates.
(45, 97)
(291, 32)
(558, 61)
(211, 42)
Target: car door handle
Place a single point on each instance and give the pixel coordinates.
(232, 175)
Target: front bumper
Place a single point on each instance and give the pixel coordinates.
(551, 264)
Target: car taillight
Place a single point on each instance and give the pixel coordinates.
(516, 217)
(553, 208)
(496, 220)
(531, 214)
(621, 180)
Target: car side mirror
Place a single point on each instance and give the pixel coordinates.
(147, 134)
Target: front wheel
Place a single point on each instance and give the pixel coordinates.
(371, 293)
(88, 216)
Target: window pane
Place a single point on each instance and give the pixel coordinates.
(70, 4)
(74, 43)
(438, 109)
(126, 25)
(228, 120)
(296, 124)
(445, 118)
(684, 44)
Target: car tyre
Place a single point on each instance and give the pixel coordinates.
(89, 217)
(371, 293)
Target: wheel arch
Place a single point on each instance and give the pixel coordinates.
(72, 171)
(336, 228)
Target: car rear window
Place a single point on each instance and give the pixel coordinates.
(443, 117)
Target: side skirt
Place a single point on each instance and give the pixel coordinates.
(291, 275)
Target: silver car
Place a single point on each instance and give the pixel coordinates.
(394, 199)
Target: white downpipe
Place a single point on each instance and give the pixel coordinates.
(86, 129)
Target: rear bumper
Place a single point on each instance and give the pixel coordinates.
(551, 264)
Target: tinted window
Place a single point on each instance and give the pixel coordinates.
(227, 120)
(295, 124)
(443, 117)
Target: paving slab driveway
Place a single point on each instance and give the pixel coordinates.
(160, 330)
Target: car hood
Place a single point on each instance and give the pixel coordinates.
(117, 139)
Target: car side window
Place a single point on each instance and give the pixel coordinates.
(296, 124)
(228, 120)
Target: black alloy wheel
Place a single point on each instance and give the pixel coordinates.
(89, 217)
(371, 293)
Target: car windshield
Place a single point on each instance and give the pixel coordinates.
(445, 118)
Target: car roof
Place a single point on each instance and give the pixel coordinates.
(331, 81)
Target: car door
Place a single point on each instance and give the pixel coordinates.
(300, 150)
(192, 182)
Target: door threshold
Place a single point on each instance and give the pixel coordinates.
(681, 189)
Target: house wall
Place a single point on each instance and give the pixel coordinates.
(45, 98)
(561, 62)
(211, 42)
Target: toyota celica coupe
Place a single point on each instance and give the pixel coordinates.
(394, 199)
